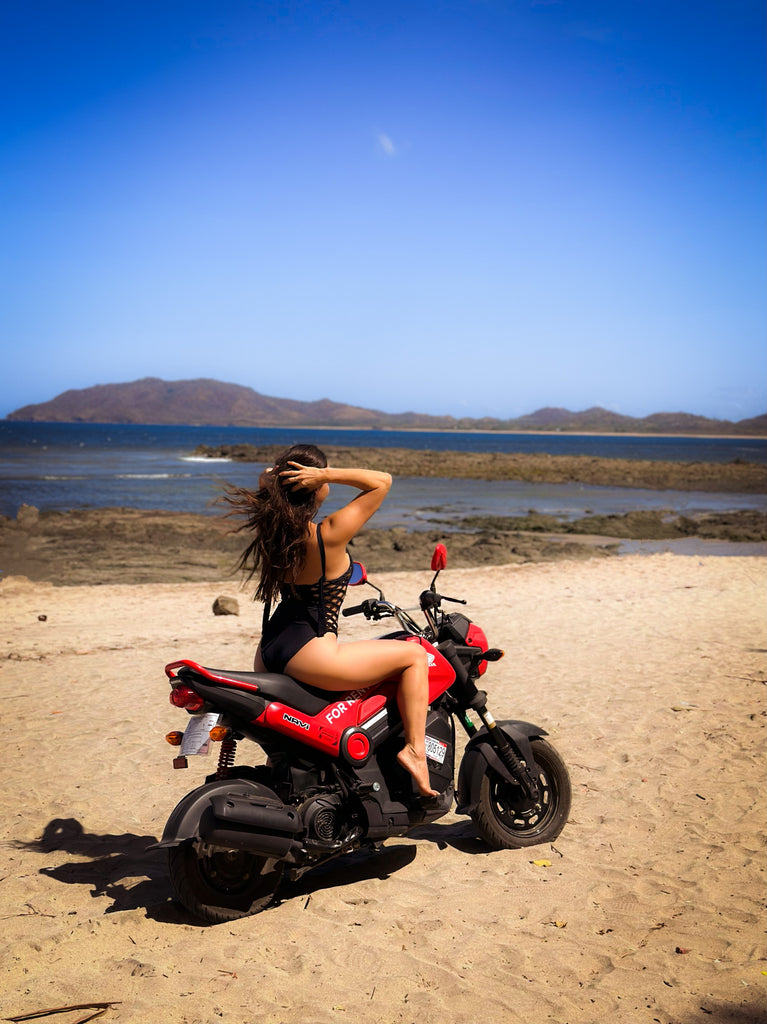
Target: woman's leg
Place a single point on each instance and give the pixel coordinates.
(325, 663)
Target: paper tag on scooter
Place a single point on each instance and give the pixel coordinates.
(197, 734)
(435, 750)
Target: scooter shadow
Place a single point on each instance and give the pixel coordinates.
(459, 835)
(120, 867)
(349, 869)
(383, 862)
(115, 862)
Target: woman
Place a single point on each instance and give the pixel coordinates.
(307, 565)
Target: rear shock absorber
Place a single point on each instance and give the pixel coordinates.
(226, 757)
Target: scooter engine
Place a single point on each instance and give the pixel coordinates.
(323, 818)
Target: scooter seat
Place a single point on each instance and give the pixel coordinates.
(275, 686)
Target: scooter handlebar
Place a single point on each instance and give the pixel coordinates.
(356, 610)
(371, 609)
(430, 599)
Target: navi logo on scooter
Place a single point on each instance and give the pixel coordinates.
(296, 721)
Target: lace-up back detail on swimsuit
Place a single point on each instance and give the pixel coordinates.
(327, 595)
(305, 611)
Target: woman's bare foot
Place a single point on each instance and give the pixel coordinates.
(416, 765)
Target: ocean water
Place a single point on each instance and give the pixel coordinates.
(65, 466)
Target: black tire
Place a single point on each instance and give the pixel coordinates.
(216, 884)
(503, 817)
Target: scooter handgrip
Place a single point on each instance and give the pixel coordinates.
(356, 610)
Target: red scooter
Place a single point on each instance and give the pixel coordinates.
(331, 782)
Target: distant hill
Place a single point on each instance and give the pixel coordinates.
(213, 403)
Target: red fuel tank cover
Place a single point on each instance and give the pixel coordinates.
(370, 706)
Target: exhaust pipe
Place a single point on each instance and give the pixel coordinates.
(255, 827)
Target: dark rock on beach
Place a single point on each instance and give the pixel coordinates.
(733, 477)
(225, 605)
(744, 526)
(123, 545)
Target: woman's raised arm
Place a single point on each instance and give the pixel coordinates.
(342, 525)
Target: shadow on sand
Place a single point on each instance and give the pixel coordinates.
(726, 1013)
(125, 870)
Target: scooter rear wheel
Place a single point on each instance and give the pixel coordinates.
(506, 820)
(219, 885)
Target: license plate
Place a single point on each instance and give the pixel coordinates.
(436, 750)
(197, 735)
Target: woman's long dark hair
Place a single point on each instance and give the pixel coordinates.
(279, 519)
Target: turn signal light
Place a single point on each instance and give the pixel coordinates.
(184, 697)
(218, 733)
(175, 738)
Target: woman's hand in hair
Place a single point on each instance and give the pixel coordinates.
(305, 478)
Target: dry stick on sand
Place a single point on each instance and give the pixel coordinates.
(100, 1008)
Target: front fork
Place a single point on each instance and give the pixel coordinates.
(507, 751)
(517, 767)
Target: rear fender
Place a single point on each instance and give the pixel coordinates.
(193, 817)
(480, 753)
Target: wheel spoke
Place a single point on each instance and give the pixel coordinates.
(520, 820)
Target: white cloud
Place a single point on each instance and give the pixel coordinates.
(386, 145)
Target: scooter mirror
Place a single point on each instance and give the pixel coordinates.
(358, 574)
(439, 558)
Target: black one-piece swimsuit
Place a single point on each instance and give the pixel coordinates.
(304, 612)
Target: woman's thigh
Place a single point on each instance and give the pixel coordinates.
(325, 663)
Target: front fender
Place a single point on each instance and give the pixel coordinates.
(480, 753)
(193, 816)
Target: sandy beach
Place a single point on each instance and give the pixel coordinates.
(647, 671)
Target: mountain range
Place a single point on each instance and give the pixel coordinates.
(206, 402)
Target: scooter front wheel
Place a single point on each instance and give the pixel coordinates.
(219, 885)
(506, 820)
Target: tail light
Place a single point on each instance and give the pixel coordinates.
(185, 697)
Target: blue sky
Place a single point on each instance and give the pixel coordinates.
(473, 207)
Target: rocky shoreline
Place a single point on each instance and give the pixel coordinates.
(124, 545)
(127, 545)
(731, 477)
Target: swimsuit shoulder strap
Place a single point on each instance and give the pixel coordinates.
(321, 546)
